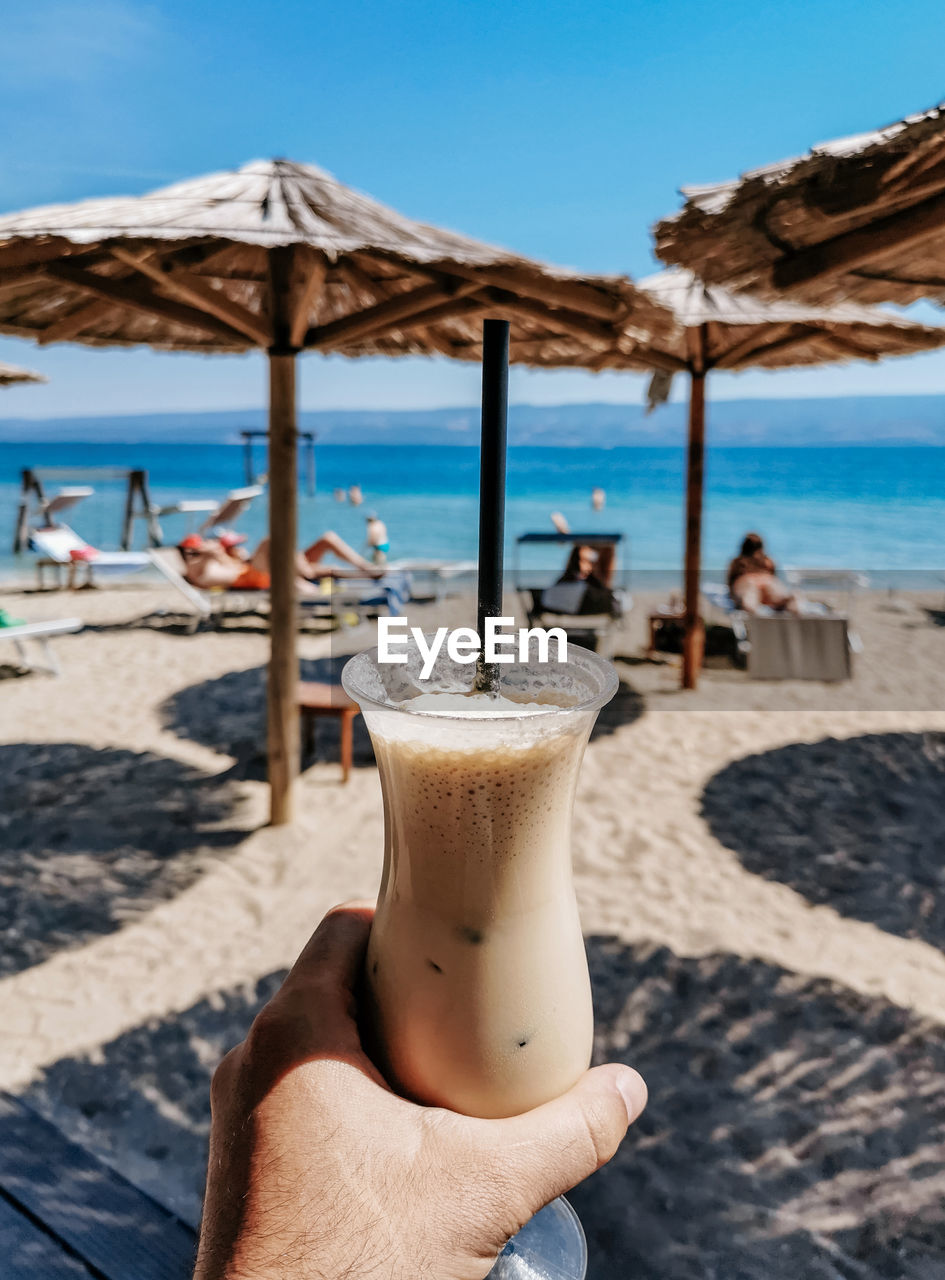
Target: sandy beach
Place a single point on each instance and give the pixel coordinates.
(760, 876)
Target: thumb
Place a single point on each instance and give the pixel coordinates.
(552, 1148)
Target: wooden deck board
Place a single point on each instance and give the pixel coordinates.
(118, 1230)
(27, 1253)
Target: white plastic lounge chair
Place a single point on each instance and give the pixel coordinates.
(846, 580)
(442, 568)
(166, 561)
(56, 547)
(65, 498)
(186, 506)
(41, 633)
(225, 513)
(436, 573)
(236, 503)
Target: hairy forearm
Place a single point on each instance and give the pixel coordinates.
(336, 1238)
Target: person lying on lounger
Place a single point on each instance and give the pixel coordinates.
(752, 580)
(223, 562)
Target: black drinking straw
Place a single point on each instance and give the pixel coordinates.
(495, 412)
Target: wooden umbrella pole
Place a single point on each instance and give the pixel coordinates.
(282, 701)
(693, 626)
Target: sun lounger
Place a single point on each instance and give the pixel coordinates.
(845, 583)
(62, 547)
(166, 561)
(237, 502)
(442, 568)
(548, 607)
(557, 605)
(224, 513)
(391, 592)
(65, 498)
(787, 647)
(817, 644)
(435, 572)
(214, 512)
(845, 580)
(41, 633)
(340, 597)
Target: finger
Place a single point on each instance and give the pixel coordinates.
(314, 1011)
(552, 1148)
(334, 955)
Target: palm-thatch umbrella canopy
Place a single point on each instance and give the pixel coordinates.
(721, 330)
(283, 257)
(859, 218)
(11, 374)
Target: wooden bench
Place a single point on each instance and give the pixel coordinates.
(316, 699)
(64, 1215)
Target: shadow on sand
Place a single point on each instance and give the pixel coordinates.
(857, 824)
(624, 707)
(90, 839)
(228, 714)
(794, 1129)
(13, 671)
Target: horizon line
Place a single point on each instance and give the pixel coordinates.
(465, 408)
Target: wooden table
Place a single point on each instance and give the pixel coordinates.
(64, 1215)
(316, 700)
(656, 621)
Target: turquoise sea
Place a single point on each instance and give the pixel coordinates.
(875, 509)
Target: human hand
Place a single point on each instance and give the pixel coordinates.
(318, 1171)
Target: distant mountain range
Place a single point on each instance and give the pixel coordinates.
(854, 420)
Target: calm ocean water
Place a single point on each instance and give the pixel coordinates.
(873, 509)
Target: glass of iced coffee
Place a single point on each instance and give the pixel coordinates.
(476, 973)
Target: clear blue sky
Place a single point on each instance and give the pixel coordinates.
(560, 130)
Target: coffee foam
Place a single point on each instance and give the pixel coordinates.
(474, 706)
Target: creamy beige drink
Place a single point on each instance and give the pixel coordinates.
(476, 963)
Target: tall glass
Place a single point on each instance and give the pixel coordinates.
(477, 978)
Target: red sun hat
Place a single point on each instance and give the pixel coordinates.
(193, 542)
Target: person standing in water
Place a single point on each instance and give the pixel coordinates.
(377, 539)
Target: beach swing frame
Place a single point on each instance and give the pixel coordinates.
(34, 501)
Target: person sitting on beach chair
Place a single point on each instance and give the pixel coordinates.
(222, 562)
(752, 580)
(594, 568)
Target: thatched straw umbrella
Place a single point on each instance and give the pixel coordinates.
(721, 330)
(282, 257)
(858, 218)
(11, 374)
